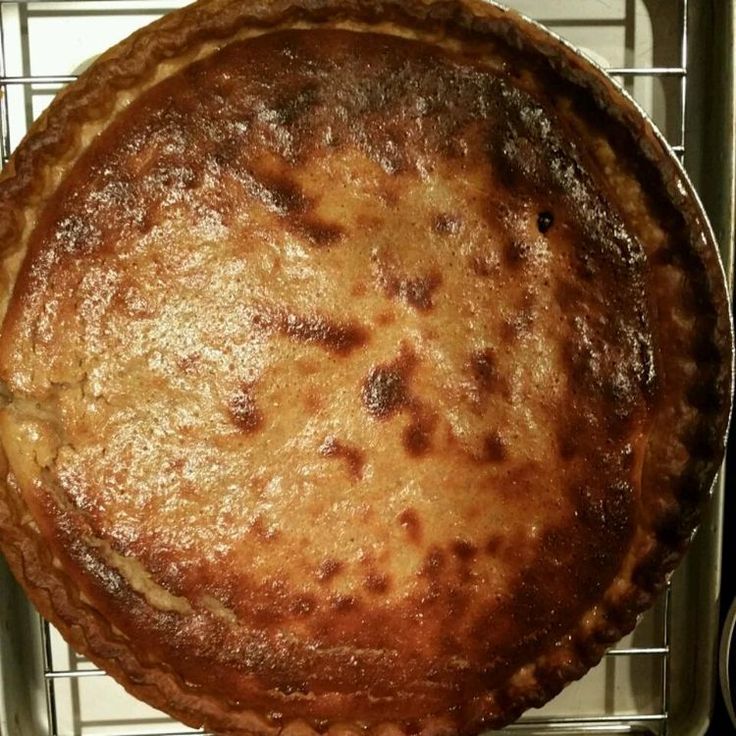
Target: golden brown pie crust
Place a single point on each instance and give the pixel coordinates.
(367, 366)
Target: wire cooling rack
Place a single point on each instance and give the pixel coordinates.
(35, 62)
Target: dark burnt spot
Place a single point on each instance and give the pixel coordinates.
(385, 390)
(484, 368)
(353, 456)
(494, 448)
(244, 411)
(545, 220)
(290, 108)
(328, 569)
(376, 582)
(433, 562)
(447, 224)
(608, 511)
(464, 550)
(409, 519)
(335, 337)
(493, 545)
(417, 436)
(516, 252)
(319, 232)
(418, 292)
(343, 603)
(285, 197)
(282, 194)
(302, 605)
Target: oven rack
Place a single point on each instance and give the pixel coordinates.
(31, 82)
(75, 669)
(648, 723)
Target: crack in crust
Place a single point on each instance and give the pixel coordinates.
(78, 609)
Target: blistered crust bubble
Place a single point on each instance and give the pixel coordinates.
(331, 359)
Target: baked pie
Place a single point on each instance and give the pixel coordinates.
(365, 365)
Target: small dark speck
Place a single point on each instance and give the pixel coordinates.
(464, 550)
(433, 562)
(333, 336)
(493, 545)
(376, 582)
(353, 456)
(243, 410)
(344, 602)
(417, 437)
(545, 221)
(517, 252)
(494, 448)
(319, 232)
(418, 292)
(384, 391)
(483, 367)
(328, 569)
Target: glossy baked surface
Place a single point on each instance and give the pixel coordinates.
(335, 361)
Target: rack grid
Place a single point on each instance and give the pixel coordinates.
(14, 109)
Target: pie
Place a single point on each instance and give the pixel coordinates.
(364, 365)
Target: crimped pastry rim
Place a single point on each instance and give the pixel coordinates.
(48, 139)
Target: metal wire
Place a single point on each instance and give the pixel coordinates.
(39, 79)
(654, 71)
(48, 666)
(667, 628)
(604, 723)
(4, 112)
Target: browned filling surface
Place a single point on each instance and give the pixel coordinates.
(333, 348)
